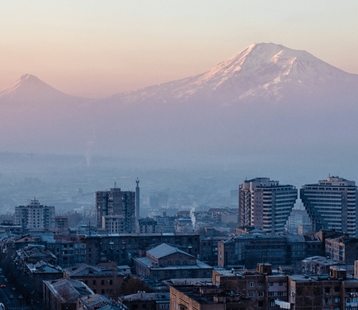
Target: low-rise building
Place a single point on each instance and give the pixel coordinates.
(104, 279)
(317, 265)
(262, 285)
(166, 262)
(343, 249)
(121, 248)
(98, 302)
(335, 291)
(146, 225)
(148, 301)
(249, 250)
(208, 298)
(63, 294)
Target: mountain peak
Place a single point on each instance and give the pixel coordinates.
(30, 88)
(28, 77)
(262, 72)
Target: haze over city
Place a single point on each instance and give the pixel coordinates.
(250, 88)
(178, 154)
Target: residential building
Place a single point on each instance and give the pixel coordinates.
(333, 291)
(265, 204)
(103, 279)
(121, 248)
(262, 285)
(249, 250)
(116, 210)
(98, 302)
(343, 249)
(35, 215)
(208, 297)
(332, 204)
(61, 224)
(146, 225)
(63, 293)
(317, 265)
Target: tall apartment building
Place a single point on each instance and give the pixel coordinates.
(35, 215)
(116, 210)
(332, 204)
(265, 204)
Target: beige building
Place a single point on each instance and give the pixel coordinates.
(265, 204)
(331, 292)
(263, 285)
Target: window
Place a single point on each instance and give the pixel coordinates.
(251, 284)
(261, 294)
(252, 294)
(94, 282)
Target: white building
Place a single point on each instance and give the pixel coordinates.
(35, 215)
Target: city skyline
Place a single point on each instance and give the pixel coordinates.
(95, 50)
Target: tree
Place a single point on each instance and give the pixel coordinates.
(133, 285)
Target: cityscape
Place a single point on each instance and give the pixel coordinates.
(178, 155)
(260, 252)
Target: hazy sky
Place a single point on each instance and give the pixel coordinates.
(98, 48)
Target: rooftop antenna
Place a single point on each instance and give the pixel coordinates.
(115, 184)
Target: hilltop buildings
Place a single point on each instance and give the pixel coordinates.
(265, 204)
(332, 204)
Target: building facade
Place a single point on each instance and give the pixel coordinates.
(116, 210)
(35, 215)
(265, 204)
(332, 204)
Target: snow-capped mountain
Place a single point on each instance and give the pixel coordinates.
(261, 72)
(266, 100)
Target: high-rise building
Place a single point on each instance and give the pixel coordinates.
(35, 215)
(116, 210)
(265, 204)
(332, 204)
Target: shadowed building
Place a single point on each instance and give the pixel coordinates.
(167, 262)
(332, 204)
(265, 204)
(116, 210)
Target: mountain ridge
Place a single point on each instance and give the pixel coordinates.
(262, 71)
(267, 99)
(259, 72)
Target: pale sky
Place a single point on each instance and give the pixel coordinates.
(99, 48)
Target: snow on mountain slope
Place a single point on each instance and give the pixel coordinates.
(261, 72)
